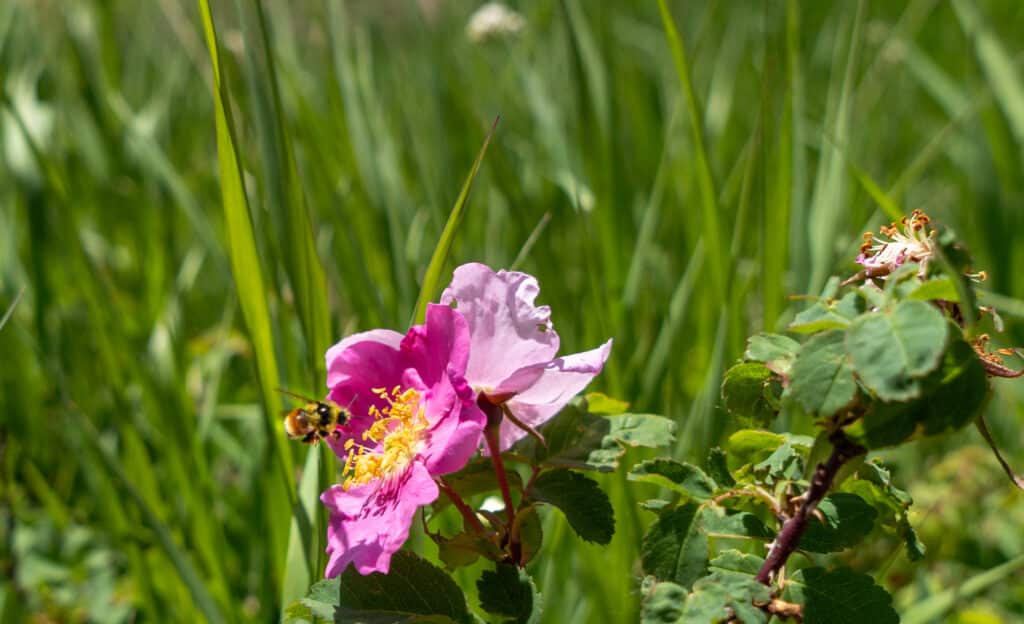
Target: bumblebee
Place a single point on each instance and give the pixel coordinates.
(314, 421)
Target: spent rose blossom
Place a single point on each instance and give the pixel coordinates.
(414, 418)
(894, 245)
(513, 346)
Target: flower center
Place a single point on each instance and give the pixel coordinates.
(396, 436)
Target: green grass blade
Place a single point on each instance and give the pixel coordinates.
(298, 572)
(432, 278)
(997, 64)
(308, 530)
(248, 274)
(178, 557)
(887, 203)
(10, 310)
(708, 195)
(777, 206)
(301, 261)
(934, 607)
(830, 191)
(673, 323)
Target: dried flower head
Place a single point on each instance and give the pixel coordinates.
(910, 241)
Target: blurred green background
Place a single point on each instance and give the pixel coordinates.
(144, 473)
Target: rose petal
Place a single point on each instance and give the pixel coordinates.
(454, 440)
(508, 331)
(441, 345)
(561, 380)
(381, 524)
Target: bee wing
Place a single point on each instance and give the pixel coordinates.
(296, 395)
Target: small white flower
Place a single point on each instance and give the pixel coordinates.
(493, 20)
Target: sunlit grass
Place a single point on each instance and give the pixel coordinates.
(169, 293)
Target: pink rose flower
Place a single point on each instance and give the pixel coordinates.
(513, 345)
(413, 418)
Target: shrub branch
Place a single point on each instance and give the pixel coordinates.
(843, 450)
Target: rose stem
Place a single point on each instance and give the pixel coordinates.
(491, 436)
(467, 513)
(494, 418)
(843, 450)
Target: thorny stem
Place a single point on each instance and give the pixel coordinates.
(467, 513)
(843, 450)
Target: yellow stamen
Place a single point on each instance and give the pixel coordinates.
(398, 431)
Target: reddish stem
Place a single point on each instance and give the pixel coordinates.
(491, 437)
(467, 512)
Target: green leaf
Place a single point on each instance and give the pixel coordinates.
(950, 398)
(818, 317)
(848, 519)
(465, 548)
(724, 595)
(785, 463)
(821, 378)
(509, 591)
(413, 588)
(687, 479)
(732, 560)
(321, 603)
(727, 594)
(751, 393)
(657, 505)
(937, 288)
(531, 534)
(749, 446)
(604, 405)
(432, 277)
(344, 615)
(718, 524)
(583, 502)
(891, 350)
(717, 467)
(840, 597)
(581, 440)
(774, 350)
(663, 604)
(674, 548)
(873, 484)
(828, 314)
(956, 262)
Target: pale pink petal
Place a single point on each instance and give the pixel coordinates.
(368, 537)
(561, 380)
(508, 331)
